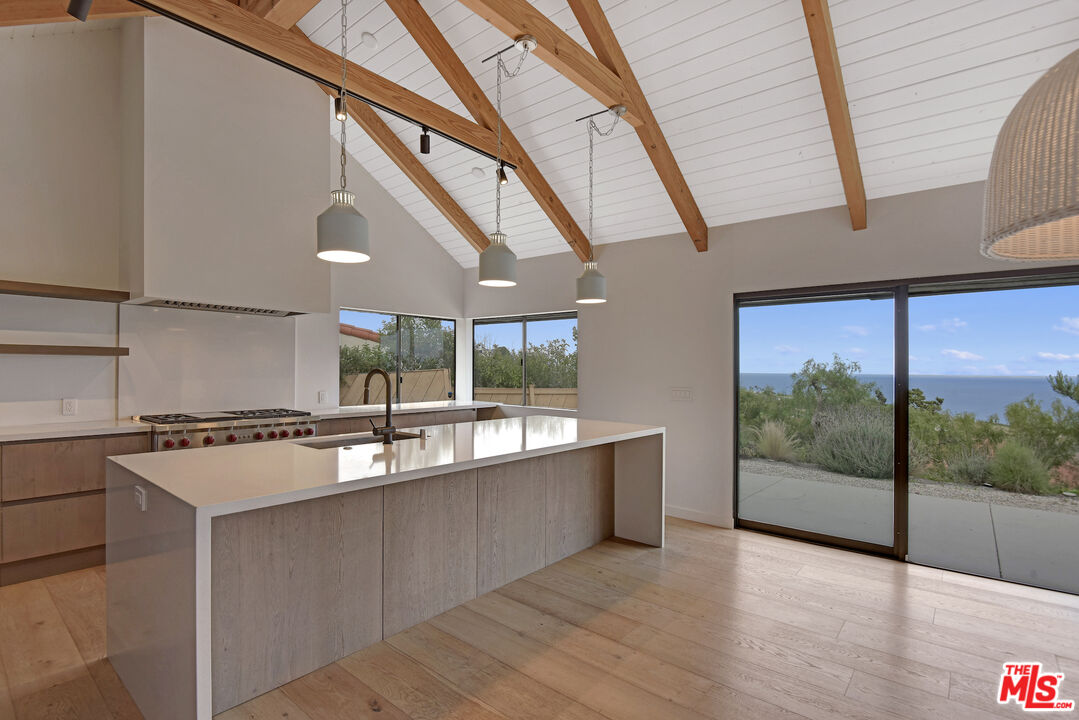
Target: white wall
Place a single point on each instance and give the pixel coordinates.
(59, 158)
(668, 319)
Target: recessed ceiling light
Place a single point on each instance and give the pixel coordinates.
(368, 40)
(478, 172)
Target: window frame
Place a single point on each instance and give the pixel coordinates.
(524, 320)
(397, 353)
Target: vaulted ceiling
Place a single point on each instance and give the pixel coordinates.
(735, 89)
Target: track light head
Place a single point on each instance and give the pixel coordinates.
(425, 143)
(503, 178)
(340, 109)
(79, 9)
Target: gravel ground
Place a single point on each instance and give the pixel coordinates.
(956, 491)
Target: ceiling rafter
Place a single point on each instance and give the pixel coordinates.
(557, 49)
(560, 51)
(822, 37)
(285, 13)
(39, 12)
(445, 59)
(607, 48)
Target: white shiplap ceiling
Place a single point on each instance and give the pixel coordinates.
(734, 87)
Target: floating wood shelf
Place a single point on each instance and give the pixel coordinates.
(67, 292)
(100, 350)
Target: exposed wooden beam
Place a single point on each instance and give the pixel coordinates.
(39, 12)
(559, 50)
(445, 59)
(270, 40)
(285, 13)
(604, 43)
(830, 74)
(384, 136)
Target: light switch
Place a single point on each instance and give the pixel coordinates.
(70, 406)
(681, 394)
(323, 397)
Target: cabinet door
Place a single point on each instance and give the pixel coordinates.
(45, 527)
(512, 522)
(56, 467)
(580, 500)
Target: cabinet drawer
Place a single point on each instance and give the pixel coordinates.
(45, 527)
(40, 469)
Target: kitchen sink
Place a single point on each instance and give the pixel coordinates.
(341, 441)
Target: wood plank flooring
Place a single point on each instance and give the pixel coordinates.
(719, 624)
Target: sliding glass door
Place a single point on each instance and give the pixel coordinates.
(994, 431)
(816, 419)
(934, 420)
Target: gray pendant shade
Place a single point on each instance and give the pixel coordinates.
(498, 264)
(591, 286)
(1032, 193)
(342, 231)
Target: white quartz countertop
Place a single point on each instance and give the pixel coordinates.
(242, 477)
(49, 431)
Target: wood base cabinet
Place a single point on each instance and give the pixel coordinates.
(52, 503)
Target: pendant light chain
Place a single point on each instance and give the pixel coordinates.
(592, 127)
(344, 85)
(501, 70)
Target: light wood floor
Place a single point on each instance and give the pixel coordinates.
(719, 624)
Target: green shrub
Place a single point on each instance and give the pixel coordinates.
(970, 466)
(1017, 468)
(855, 441)
(771, 441)
(1052, 435)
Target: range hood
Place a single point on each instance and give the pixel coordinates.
(225, 161)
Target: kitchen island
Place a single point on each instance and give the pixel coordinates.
(234, 570)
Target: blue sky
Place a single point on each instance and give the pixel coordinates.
(1031, 332)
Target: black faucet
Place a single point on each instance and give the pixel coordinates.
(388, 429)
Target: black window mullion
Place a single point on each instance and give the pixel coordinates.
(524, 361)
(901, 479)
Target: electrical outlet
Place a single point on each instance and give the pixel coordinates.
(323, 397)
(141, 498)
(70, 406)
(681, 394)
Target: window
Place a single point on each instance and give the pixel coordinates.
(526, 360)
(419, 353)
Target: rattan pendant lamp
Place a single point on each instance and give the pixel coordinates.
(1032, 193)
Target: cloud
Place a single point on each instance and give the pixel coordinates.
(1002, 369)
(1068, 325)
(785, 349)
(856, 351)
(1057, 356)
(856, 330)
(961, 355)
(945, 325)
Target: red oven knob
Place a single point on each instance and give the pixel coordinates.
(297, 432)
(231, 437)
(184, 442)
(208, 440)
(273, 434)
(169, 443)
(284, 434)
(309, 431)
(258, 435)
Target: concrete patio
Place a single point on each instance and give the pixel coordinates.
(1035, 547)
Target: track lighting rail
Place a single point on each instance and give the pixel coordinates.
(149, 5)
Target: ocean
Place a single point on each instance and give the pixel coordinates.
(981, 395)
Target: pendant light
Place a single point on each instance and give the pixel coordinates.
(592, 286)
(498, 264)
(342, 230)
(1032, 193)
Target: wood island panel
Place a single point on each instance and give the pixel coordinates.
(429, 548)
(295, 587)
(580, 500)
(512, 522)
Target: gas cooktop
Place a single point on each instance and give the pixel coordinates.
(176, 431)
(221, 416)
